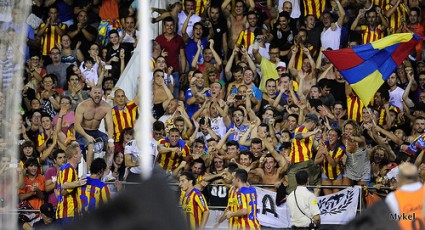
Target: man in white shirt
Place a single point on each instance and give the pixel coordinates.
(302, 204)
(189, 5)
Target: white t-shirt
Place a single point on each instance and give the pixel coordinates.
(307, 203)
(135, 153)
(182, 17)
(396, 97)
(127, 38)
(218, 126)
(331, 38)
(90, 75)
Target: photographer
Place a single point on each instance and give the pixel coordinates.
(302, 204)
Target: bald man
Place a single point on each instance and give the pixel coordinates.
(406, 203)
(124, 113)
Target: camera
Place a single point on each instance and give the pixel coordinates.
(239, 97)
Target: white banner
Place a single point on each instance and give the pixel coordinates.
(337, 208)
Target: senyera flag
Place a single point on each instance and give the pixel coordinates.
(366, 67)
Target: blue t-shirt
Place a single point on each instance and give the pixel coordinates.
(191, 109)
(257, 92)
(192, 47)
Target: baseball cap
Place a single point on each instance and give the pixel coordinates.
(47, 209)
(312, 117)
(281, 65)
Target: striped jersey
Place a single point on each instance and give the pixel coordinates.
(194, 205)
(333, 172)
(232, 205)
(397, 17)
(123, 118)
(354, 108)
(50, 37)
(247, 199)
(246, 38)
(370, 35)
(171, 160)
(301, 150)
(92, 195)
(314, 7)
(67, 205)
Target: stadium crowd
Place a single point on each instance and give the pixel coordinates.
(237, 84)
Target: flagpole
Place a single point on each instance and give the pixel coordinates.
(144, 131)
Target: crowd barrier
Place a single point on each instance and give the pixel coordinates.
(269, 213)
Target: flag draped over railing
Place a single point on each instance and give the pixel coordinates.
(366, 67)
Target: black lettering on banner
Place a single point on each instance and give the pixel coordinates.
(417, 224)
(268, 199)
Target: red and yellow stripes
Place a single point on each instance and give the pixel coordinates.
(123, 118)
(314, 7)
(194, 205)
(67, 205)
(171, 160)
(395, 19)
(50, 37)
(247, 199)
(246, 38)
(333, 172)
(92, 195)
(371, 35)
(354, 108)
(301, 150)
(232, 205)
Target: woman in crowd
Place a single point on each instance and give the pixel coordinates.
(329, 156)
(49, 96)
(36, 72)
(69, 55)
(357, 165)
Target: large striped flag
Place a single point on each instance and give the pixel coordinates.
(366, 67)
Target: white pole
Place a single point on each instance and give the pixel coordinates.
(143, 132)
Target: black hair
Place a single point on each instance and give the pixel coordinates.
(189, 176)
(56, 152)
(247, 153)
(97, 165)
(232, 143)
(241, 174)
(301, 177)
(158, 126)
(31, 161)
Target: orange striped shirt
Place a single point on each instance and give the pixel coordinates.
(246, 38)
(371, 35)
(199, 6)
(396, 18)
(232, 205)
(67, 205)
(333, 172)
(247, 199)
(314, 7)
(123, 118)
(301, 150)
(171, 160)
(194, 205)
(354, 108)
(50, 37)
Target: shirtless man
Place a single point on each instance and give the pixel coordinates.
(88, 116)
(236, 23)
(272, 165)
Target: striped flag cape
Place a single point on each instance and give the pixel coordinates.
(366, 67)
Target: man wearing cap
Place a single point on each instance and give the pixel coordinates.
(46, 219)
(302, 149)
